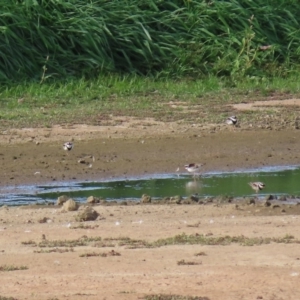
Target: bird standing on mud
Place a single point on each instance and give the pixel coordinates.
(68, 146)
(232, 120)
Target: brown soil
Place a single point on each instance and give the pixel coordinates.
(31, 156)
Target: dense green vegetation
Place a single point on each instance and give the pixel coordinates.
(42, 39)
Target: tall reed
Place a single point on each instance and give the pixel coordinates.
(42, 39)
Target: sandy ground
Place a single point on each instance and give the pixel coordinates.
(32, 156)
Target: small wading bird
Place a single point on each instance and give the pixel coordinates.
(192, 168)
(231, 120)
(257, 186)
(68, 146)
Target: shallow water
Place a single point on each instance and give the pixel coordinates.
(278, 180)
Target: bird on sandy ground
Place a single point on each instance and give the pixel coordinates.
(68, 146)
(232, 120)
(257, 186)
(193, 168)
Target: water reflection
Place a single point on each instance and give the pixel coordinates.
(193, 187)
(278, 182)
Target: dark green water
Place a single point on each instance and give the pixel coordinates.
(278, 181)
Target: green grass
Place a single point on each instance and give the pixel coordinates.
(99, 101)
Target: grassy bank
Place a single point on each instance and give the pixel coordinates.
(46, 39)
(96, 101)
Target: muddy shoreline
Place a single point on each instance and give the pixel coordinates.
(43, 161)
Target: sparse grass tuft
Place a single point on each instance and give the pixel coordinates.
(103, 244)
(181, 239)
(129, 243)
(30, 242)
(133, 243)
(84, 226)
(188, 263)
(7, 268)
(57, 250)
(82, 241)
(103, 254)
(90, 254)
(200, 239)
(194, 225)
(173, 297)
(7, 298)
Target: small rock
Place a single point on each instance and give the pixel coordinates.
(87, 214)
(282, 198)
(275, 206)
(145, 199)
(165, 200)
(70, 205)
(103, 202)
(269, 197)
(43, 220)
(209, 200)
(175, 200)
(250, 201)
(209, 234)
(92, 200)
(194, 198)
(267, 203)
(297, 123)
(224, 199)
(62, 199)
(187, 201)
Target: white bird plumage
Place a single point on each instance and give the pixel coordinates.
(193, 168)
(231, 120)
(257, 186)
(68, 146)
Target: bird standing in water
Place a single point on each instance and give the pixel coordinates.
(192, 168)
(257, 186)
